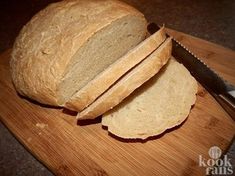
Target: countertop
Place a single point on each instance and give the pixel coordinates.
(212, 20)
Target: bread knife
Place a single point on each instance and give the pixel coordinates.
(221, 90)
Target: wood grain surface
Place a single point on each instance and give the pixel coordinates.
(66, 148)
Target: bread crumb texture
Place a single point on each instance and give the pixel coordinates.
(60, 49)
(161, 103)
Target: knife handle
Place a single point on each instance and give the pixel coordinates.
(227, 101)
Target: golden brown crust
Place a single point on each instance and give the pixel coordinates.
(45, 45)
(129, 82)
(105, 79)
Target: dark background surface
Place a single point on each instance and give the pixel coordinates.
(213, 20)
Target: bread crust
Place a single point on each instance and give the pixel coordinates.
(45, 45)
(129, 82)
(105, 79)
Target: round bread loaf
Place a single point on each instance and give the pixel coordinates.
(67, 44)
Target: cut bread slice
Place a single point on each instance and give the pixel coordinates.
(68, 43)
(105, 79)
(129, 82)
(161, 103)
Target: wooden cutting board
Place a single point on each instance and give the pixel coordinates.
(53, 137)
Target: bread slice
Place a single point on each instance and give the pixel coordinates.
(161, 103)
(129, 82)
(105, 79)
(67, 44)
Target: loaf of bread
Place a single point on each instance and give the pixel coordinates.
(90, 55)
(161, 103)
(129, 82)
(67, 44)
(86, 95)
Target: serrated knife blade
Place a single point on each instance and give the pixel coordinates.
(221, 90)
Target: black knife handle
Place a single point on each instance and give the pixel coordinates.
(227, 101)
